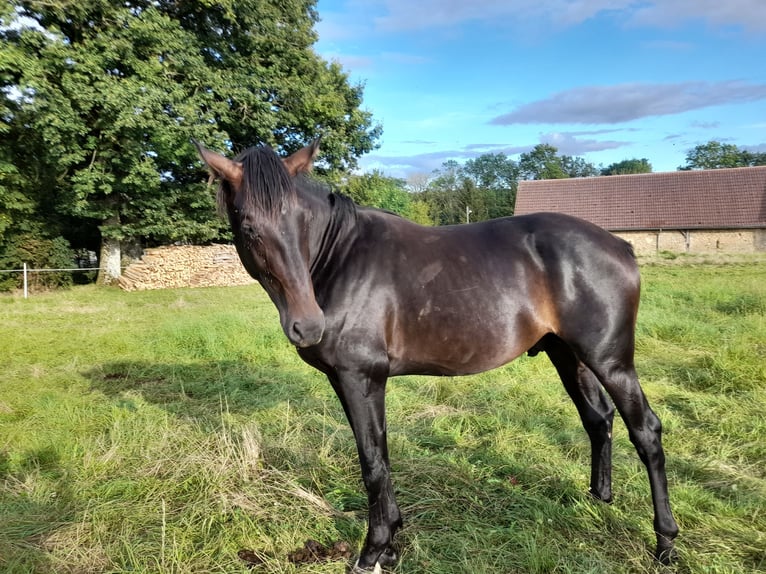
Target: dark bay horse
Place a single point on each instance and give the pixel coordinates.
(365, 295)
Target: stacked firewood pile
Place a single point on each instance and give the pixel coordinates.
(185, 266)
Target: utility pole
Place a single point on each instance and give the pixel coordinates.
(468, 213)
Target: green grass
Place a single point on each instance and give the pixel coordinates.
(161, 432)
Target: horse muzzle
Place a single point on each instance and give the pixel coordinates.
(306, 331)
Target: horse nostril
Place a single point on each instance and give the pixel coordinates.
(297, 330)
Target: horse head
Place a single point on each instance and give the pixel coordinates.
(271, 231)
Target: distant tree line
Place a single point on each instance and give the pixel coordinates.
(485, 187)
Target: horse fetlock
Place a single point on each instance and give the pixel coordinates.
(371, 556)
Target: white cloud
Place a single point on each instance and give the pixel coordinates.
(705, 125)
(423, 162)
(750, 14)
(424, 14)
(627, 102)
(570, 144)
(405, 59)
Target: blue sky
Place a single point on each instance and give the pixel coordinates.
(603, 79)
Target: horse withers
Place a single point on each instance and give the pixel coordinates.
(365, 295)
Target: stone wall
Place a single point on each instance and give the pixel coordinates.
(701, 241)
(185, 266)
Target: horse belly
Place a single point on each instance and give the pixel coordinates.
(438, 342)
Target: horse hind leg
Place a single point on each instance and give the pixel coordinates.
(595, 410)
(620, 380)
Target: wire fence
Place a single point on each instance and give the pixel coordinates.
(26, 271)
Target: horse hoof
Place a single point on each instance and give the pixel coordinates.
(388, 557)
(357, 570)
(605, 498)
(666, 556)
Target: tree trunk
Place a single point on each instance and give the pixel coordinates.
(110, 260)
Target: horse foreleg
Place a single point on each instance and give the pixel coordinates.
(363, 399)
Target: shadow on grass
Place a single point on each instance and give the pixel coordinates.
(201, 391)
(30, 519)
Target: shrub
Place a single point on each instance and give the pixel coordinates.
(38, 253)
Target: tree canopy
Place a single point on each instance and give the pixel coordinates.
(716, 155)
(99, 100)
(378, 190)
(482, 188)
(628, 167)
(544, 162)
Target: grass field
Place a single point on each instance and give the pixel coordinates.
(165, 431)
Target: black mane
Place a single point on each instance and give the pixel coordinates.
(268, 188)
(343, 207)
(265, 182)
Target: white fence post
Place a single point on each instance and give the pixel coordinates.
(26, 270)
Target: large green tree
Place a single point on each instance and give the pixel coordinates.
(443, 194)
(482, 188)
(542, 162)
(495, 177)
(100, 98)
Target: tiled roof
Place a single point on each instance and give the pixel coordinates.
(707, 199)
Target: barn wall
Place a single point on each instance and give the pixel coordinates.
(185, 266)
(696, 241)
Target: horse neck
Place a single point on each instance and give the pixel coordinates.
(331, 231)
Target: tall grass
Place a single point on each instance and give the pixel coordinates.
(165, 431)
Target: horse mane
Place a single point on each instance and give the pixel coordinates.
(268, 188)
(266, 185)
(342, 206)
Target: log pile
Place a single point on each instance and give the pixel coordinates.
(185, 266)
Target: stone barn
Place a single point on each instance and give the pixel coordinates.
(698, 212)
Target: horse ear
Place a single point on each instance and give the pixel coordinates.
(220, 166)
(302, 160)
